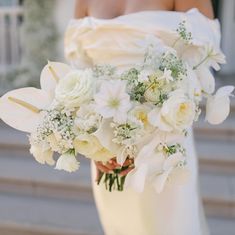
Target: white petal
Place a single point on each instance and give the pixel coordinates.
(160, 181)
(156, 120)
(105, 136)
(120, 117)
(121, 156)
(152, 117)
(217, 109)
(207, 80)
(18, 116)
(49, 78)
(147, 150)
(224, 91)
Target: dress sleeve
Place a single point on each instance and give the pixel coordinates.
(205, 29)
(73, 47)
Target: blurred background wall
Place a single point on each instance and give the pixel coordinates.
(32, 31)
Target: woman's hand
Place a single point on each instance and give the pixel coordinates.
(112, 165)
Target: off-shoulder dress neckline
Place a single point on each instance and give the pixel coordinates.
(192, 10)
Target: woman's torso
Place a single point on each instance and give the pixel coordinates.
(107, 9)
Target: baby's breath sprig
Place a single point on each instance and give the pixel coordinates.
(171, 149)
(171, 62)
(183, 32)
(135, 88)
(59, 123)
(104, 71)
(124, 132)
(130, 75)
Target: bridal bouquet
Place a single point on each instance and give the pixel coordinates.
(139, 115)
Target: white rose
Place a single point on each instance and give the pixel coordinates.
(90, 147)
(177, 113)
(87, 144)
(75, 88)
(42, 155)
(140, 113)
(67, 162)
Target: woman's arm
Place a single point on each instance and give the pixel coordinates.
(204, 6)
(80, 9)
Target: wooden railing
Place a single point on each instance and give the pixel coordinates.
(10, 49)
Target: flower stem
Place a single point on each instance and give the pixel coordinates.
(201, 62)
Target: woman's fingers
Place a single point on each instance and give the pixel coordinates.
(112, 164)
(125, 172)
(127, 162)
(102, 167)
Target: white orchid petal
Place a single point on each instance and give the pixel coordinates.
(147, 150)
(217, 109)
(50, 75)
(19, 116)
(160, 181)
(218, 106)
(224, 91)
(206, 79)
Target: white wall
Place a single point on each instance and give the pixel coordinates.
(63, 13)
(227, 15)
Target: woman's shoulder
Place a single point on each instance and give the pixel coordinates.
(204, 6)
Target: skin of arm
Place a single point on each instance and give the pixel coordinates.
(80, 9)
(204, 6)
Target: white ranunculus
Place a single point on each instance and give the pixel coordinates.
(177, 113)
(42, 155)
(218, 106)
(67, 162)
(75, 88)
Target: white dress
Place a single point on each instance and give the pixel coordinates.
(120, 42)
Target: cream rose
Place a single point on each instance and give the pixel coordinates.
(75, 88)
(89, 146)
(177, 113)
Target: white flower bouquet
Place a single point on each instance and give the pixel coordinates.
(138, 117)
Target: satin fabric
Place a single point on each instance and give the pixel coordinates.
(121, 42)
